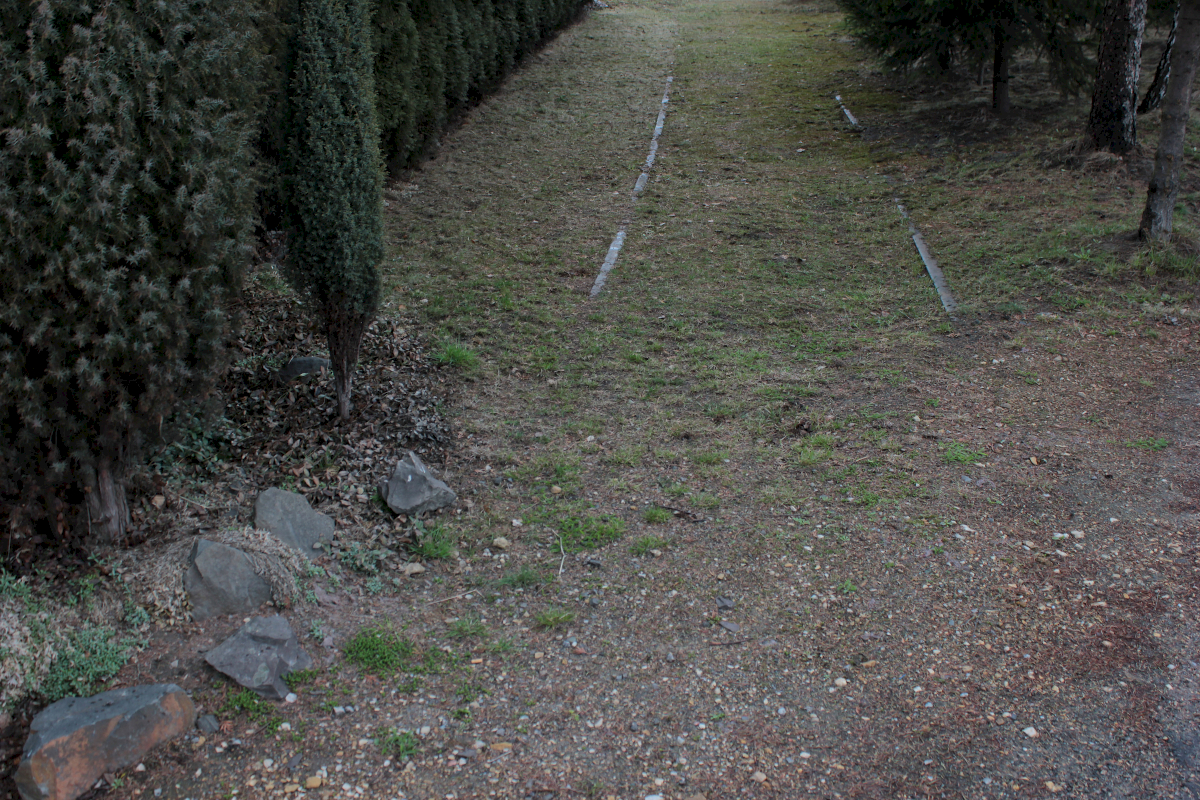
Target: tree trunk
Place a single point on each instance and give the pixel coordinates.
(108, 511)
(1001, 56)
(1112, 123)
(344, 330)
(1158, 86)
(1164, 182)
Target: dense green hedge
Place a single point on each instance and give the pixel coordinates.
(434, 57)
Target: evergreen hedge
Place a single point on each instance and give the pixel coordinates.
(126, 199)
(433, 58)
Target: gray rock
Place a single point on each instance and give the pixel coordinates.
(303, 365)
(732, 627)
(221, 580)
(725, 604)
(289, 516)
(208, 724)
(412, 489)
(76, 740)
(260, 654)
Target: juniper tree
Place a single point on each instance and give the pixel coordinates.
(126, 196)
(333, 180)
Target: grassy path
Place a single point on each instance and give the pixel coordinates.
(772, 526)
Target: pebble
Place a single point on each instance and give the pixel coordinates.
(1031, 732)
(725, 604)
(732, 627)
(654, 797)
(670, 656)
(840, 682)
(758, 776)
(633, 726)
(313, 782)
(140, 768)
(413, 569)
(500, 543)
(291, 698)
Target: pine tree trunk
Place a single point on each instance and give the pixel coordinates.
(1162, 73)
(1001, 56)
(1164, 182)
(1112, 123)
(108, 511)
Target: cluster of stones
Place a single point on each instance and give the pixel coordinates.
(75, 741)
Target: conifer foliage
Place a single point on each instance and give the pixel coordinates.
(333, 180)
(126, 194)
(940, 34)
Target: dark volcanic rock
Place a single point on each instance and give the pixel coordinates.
(221, 580)
(260, 654)
(412, 489)
(76, 740)
(289, 516)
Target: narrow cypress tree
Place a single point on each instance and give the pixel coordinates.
(334, 178)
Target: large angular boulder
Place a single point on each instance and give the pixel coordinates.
(412, 489)
(221, 580)
(260, 654)
(76, 740)
(292, 520)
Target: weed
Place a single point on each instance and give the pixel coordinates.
(433, 543)
(1150, 445)
(705, 500)
(645, 544)
(300, 677)
(315, 630)
(553, 617)
(847, 587)
(710, 457)
(452, 354)
(656, 515)
(959, 453)
(523, 578)
(379, 651)
(398, 744)
(501, 646)
(468, 626)
(363, 559)
(588, 532)
(87, 657)
(257, 710)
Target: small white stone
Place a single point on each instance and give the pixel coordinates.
(140, 768)
(517, 523)
(500, 543)
(291, 697)
(840, 682)
(758, 776)
(1031, 732)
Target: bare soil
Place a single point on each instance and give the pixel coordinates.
(773, 526)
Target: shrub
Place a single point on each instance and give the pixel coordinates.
(333, 179)
(126, 190)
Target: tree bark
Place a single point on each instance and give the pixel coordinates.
(344, 331)
(1001, 56)
(1164, 182)
(108, 511)
(1162, 73)
(1112, 123)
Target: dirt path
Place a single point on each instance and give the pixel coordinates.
(775, 528)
